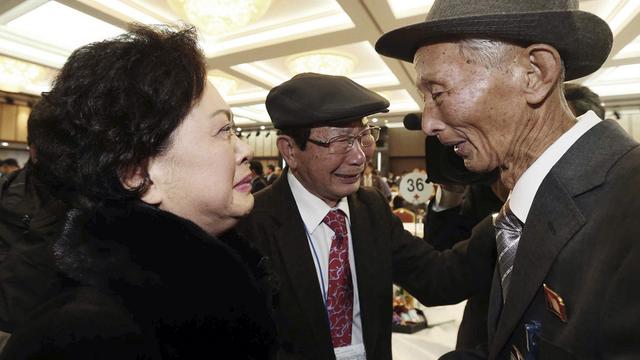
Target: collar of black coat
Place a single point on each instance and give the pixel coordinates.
(140, 245)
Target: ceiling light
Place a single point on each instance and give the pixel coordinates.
(225, 85)
(21, 76)
(262, 127)
(330, 63)
(631, 50)
(627, 10)
(56, 24)
(406, 8)
(217, 17)
(4, 143)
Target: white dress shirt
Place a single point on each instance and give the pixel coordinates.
(313, 210)
(527, 186)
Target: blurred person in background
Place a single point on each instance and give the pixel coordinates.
(30, 220)
(144, 154)
(370, 178)
(258, 182)
(581, 99)
(271, 174)
(7, 166)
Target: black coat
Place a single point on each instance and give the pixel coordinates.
(446, 228)
(144, 283)
(384, 254)
(30, 220)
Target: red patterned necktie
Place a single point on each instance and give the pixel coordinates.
(340, 293)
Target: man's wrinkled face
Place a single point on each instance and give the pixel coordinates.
(469, 106)
(332, 176)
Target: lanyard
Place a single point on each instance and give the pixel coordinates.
(317, 262)
(318, 268)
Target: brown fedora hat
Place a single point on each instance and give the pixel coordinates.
(582, 39)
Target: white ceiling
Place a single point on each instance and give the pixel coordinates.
(45, 32)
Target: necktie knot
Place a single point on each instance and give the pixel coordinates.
(336, 221)
(507, 220)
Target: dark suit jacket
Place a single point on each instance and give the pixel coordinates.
(581, 239)
(444, 229)
(384, 254)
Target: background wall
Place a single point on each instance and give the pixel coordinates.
(406, 150)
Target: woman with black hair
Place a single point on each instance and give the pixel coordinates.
(142, 150)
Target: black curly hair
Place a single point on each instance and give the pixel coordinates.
(112, 107)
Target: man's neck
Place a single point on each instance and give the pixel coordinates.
(543, 128)
(331, 202)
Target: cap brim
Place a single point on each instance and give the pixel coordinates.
(582, 53)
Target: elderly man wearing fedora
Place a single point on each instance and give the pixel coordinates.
(336, 248)
(491, 73)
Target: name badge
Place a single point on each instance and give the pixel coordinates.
(352, 352)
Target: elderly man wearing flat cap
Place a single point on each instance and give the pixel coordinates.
(491, 73)
(336, 248)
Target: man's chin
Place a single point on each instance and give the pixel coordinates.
(476, 167)
(348, 189)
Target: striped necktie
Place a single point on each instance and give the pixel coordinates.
(508, 230)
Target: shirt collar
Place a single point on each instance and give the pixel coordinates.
(312, 209)
(526, 187)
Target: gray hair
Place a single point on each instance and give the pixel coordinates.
(492, 53)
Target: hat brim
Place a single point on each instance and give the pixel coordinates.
(582, 39)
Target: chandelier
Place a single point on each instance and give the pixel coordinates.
(330, 63)
(218, 17)
(21, 76)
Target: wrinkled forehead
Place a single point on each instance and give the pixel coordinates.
(436, 52)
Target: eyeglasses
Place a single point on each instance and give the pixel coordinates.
(343, 143)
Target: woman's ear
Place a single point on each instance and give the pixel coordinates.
(544, 69)
(288, 149)
(141, 177)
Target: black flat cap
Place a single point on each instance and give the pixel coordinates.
(310, 100)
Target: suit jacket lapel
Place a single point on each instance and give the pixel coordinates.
(554, 217)
(495, 304)
(366, 270)
(547, 230)
(293, 245)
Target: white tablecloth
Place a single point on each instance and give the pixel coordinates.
(434, 341)
(416, 229)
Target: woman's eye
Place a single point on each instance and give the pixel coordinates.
(436, 95)
(226, 130)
